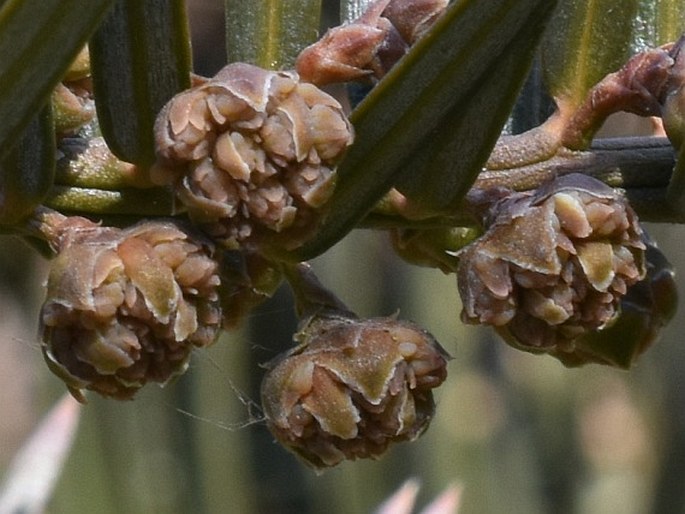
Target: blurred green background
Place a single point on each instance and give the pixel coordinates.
(520, 433)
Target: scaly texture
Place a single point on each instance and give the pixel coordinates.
(352, 388)
(553, 264)
(252, 153)
(125, 307)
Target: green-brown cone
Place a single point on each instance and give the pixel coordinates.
(125, 307)
(553, 264)
(252, 153)
(352, 387)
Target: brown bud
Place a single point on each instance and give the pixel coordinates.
(413, 18)
(125, 307)
(350, 51)
(645, 86)
(553, 264)
(370, 45)
(343, 54)
(251, 152)
(73, 106)
(352, 387)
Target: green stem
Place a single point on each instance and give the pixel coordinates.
(639, 165)
(140, 202)
(311, 297)
(89, 163)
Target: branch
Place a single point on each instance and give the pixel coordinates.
(641, 166)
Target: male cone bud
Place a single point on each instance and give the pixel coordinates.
(125, 307)
(553, 264)
(352, 387)
(252, 153)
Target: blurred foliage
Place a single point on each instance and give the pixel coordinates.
(270, 33)
(586, 40)
(521, 433)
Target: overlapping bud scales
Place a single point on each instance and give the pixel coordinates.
(252, 152)
(553, 264)
(646, 309)
(125, 307)
(370, 45)
(413, 18)
(352, 387)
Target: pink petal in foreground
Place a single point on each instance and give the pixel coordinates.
(402, 501)
(447, 503)
(35, 469)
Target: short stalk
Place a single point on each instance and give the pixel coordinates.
(311, 297)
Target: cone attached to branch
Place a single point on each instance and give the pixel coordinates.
(352, 386)
(553, 264)
(646, 309)
(252, 153)
(126, 307)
